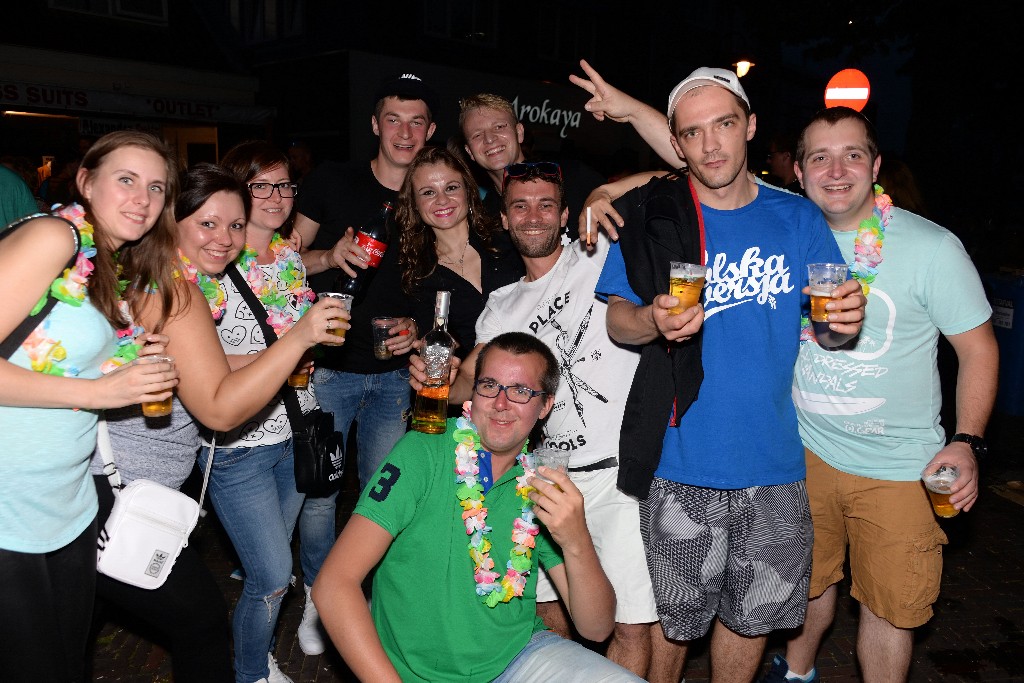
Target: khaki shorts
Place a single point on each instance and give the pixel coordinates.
(894, 541)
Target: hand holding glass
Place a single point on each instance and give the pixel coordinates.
(937, 483)
(823, 278)
(156, 408)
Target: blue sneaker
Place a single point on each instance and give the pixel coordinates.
(780, 667)
(238, 574)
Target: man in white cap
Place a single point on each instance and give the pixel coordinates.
(709, 437)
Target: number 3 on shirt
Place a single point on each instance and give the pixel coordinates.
(382, 489)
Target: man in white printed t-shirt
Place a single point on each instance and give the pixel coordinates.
(555, 301)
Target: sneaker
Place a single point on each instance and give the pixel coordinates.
(238, 574)
(276, 675)
(311, 641)
(780, 667)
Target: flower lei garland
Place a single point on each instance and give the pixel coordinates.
(867, 247)
(47, 355)
(470, 493)
(212, 288)
(289, 270)
(867, 250)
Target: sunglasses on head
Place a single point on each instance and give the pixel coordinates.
(548, 170)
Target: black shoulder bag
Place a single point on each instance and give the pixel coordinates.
(319, 450)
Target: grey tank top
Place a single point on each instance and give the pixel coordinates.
(159, 449)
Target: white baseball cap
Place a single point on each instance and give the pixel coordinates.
(707, 76)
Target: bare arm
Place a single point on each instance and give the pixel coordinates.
(632, 324)
(580, 581)
(30, 260)
(976, 382)
(338, 596)
(216, 396)
(609, 102)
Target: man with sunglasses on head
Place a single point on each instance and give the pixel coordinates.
(455, 530)
(494, 137)
(555, 302)
(336, 199)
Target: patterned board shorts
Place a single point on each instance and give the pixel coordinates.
(743, 555)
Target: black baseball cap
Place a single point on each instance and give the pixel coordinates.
(408, 86)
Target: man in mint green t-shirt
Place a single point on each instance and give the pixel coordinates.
(869, 415)
(455, 531)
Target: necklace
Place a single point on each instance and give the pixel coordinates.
(460, 262)
(491, 585)
(867, 247)
(47, 355)
(212, 288)
(289, 271)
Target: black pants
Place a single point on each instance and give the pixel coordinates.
(46, 604)
(189, 610)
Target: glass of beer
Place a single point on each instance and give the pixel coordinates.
(156, 408)
(686, 281)
(346, 302)
(937, 483)
(823, 278)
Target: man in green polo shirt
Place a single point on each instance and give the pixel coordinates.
(455, 528)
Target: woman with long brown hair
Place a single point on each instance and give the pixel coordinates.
(52, 386)
(449, 243)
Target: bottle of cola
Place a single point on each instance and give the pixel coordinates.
(373, 238)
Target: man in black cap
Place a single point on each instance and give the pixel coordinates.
(335, 200)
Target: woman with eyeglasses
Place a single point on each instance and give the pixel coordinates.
(252, 485)
(188, 610)
(449, 243)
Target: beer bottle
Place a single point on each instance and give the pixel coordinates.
(431, 408)
(373, 238)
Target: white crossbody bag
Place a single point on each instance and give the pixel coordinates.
(148, 526)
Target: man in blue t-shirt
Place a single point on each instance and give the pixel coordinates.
(726, 523)
(869, 413)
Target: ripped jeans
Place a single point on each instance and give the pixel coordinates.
(253, 492)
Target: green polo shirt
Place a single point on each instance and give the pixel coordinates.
(433, 625)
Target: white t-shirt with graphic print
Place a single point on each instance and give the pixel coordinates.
(240, 334)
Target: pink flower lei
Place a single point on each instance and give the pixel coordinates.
(47, 355)
(490, 585)
(288, 269)
(867, 246)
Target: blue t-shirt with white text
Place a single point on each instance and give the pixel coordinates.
(741, 430)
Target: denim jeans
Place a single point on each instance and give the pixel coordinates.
(253, 492)
(380, 405)
(549, 657)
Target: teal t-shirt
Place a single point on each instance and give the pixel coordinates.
(873, 411)
(47, 497)
(431, 622)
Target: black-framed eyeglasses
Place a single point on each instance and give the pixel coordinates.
(548, 170)
(488, 388)
(266, 190)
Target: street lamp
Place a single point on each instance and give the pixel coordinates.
(743, 67)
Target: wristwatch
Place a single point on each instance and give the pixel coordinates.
(977, 444)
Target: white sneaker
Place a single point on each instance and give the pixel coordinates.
(311, 640)
(276, 675)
